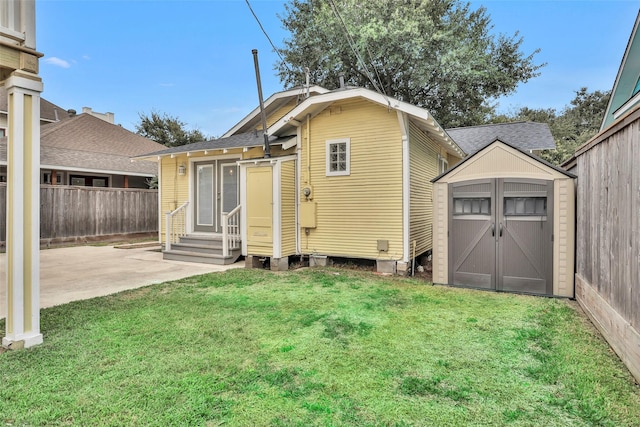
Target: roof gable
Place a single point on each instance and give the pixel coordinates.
(625, 94)
(272, 105)
(502, 160)
(526, 136)
(315, 105)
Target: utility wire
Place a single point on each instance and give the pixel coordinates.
(267, 36)
(352, 45)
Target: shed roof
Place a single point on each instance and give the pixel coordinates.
(541, 162)
(526, 136)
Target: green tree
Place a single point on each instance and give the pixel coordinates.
(437, 54)
(167, 130)
(575, 125)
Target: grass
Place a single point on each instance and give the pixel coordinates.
(316, 347)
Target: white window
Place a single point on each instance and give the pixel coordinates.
(338, 159)
(3, 132)
(443, 165)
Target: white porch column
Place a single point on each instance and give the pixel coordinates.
(23, 211)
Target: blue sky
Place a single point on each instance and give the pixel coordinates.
(192, 58)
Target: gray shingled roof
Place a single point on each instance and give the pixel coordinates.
(526, 136)
(49, 111)
(242, 140)
(85, 142)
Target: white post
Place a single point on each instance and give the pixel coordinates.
(167, 232)
(225, 235)
(23, 211)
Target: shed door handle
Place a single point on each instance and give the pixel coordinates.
(500, 229)
(493, 229)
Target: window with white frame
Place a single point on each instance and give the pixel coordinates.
(443, 164)
(338, 158)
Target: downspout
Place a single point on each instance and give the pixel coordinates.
(308, 131)
(160, 200)
(298, 187)
(406, 187)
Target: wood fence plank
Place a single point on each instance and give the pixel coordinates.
(80, 212)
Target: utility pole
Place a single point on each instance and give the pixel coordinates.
(267, 150)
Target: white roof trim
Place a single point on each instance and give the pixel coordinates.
(276, 96)
(416, 113)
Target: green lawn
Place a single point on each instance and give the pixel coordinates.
(316, 347)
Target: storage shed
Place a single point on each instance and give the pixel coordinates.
(505, 220)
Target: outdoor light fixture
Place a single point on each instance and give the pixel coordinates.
(182, 169)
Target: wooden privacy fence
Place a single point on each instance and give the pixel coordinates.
(608, 235)
(74, 213)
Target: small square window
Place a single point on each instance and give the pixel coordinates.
(338, 158)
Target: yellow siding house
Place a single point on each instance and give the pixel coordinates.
(349, 176)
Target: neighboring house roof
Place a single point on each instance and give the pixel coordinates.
(242, 140)
(272, 104)
(526, 136)
(87, 143)
(499, 141)
(49, 112)
(626, 89)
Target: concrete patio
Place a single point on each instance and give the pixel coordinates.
(83, 272)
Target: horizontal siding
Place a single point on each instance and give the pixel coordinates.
(288, 208)
(355, 211)
(424, 167)
(175, 188)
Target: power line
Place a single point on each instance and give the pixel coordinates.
(267, 36)
(352, 45)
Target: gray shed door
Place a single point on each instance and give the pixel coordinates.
(501, 235)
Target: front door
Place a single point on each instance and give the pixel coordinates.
(216, 191)
(501, 235)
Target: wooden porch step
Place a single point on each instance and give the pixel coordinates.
(199, 257)
(206, 248)
(213, 240)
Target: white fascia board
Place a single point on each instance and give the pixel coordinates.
(276, 96)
